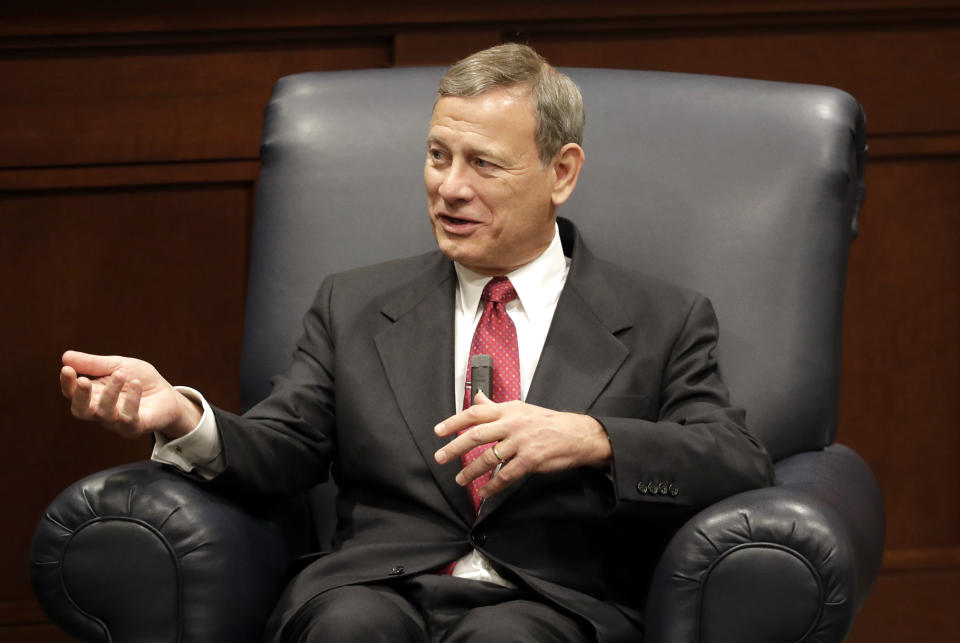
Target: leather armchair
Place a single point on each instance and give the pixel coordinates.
(748, 191)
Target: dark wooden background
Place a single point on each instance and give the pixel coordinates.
(128, 164)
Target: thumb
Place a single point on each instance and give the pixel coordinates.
(87, 364)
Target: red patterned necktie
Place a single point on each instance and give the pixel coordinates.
(495, 336)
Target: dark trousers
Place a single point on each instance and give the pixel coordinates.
(432, 608)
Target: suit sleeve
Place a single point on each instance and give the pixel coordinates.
(284, 444)
(699, 449)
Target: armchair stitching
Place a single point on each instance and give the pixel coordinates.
(86, 500)
(169, 516)
(57, 523)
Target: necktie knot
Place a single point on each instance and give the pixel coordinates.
(498, 290)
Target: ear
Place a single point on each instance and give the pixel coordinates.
(566, 167)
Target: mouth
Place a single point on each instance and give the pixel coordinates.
(457, 225)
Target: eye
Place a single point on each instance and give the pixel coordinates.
(483, 163)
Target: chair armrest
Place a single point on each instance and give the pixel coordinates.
(140, 553)
(790, 562)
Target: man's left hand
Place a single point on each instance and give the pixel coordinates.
(530, 439)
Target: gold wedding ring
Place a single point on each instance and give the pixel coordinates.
(497, 455)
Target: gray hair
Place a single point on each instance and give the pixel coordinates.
(557, 101)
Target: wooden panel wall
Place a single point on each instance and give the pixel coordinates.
(129, 140)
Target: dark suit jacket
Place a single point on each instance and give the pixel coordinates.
(372, 375)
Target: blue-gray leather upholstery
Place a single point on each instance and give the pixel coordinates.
(747, 191)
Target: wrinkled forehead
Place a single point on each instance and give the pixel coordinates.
(495, 119)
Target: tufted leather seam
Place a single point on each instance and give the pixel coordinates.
(764, 545)
(160, 537)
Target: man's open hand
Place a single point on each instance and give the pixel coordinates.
(531, 439)
(128, 396)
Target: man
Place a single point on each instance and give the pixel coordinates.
(533, 516)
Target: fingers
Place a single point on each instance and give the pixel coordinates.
(111, 401)
(506, 476)
(475, 426)
(107, 404)
(80, 400)
(531, 440)
(95, 365)
(482, 433)
(130, 407)
(481, 411)
(68, 381)
(486, 461)
(513, 468)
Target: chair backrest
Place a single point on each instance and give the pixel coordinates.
(745, 190)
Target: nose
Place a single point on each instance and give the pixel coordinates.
(455, 185)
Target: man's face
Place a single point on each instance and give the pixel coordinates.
(490, 200)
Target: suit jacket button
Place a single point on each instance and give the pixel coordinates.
(674, 490)
(663, 489)
(642, 488)
(396, 571)
(478, 539)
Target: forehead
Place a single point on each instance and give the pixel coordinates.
(504, 113)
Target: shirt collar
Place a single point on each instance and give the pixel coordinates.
(538, 283)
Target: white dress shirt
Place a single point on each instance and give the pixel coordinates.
(538, 285)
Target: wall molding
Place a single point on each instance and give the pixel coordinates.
(895, 146)
(921, 558)
(129, 175)
(22, 31)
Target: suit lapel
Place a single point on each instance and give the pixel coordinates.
(417, 355)
(582, 352)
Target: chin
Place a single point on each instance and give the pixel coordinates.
(456, 252)
(453, 251)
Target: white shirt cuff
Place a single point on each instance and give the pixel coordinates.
(198, 450)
